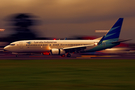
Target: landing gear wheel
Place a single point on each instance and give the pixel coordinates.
(62, 55)
(68, 55)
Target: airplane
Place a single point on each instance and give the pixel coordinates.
(66, 47)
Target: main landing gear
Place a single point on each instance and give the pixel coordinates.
(67, 55)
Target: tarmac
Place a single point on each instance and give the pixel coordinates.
(75, 56)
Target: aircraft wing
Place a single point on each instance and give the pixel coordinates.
(75, 47)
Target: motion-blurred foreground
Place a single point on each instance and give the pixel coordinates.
(103, 74)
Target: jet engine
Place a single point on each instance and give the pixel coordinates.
(57, 51)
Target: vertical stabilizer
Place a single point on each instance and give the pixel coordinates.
(114, 32)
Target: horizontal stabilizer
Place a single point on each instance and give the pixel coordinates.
(121, 41)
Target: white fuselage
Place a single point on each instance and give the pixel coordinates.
(31, 46)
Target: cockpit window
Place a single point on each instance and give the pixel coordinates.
(12, 44)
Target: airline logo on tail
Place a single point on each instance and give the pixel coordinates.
(114, 32)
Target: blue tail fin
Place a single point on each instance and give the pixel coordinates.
(114, 32)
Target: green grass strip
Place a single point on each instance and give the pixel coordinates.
(78, 74)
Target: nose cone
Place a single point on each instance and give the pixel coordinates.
(7, 48)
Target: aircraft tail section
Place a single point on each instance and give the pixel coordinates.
(111, 38)
(114, 32)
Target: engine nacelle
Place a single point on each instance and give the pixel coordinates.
(57, 51)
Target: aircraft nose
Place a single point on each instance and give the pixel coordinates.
(6, 48)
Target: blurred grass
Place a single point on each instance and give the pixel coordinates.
(92, 74)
